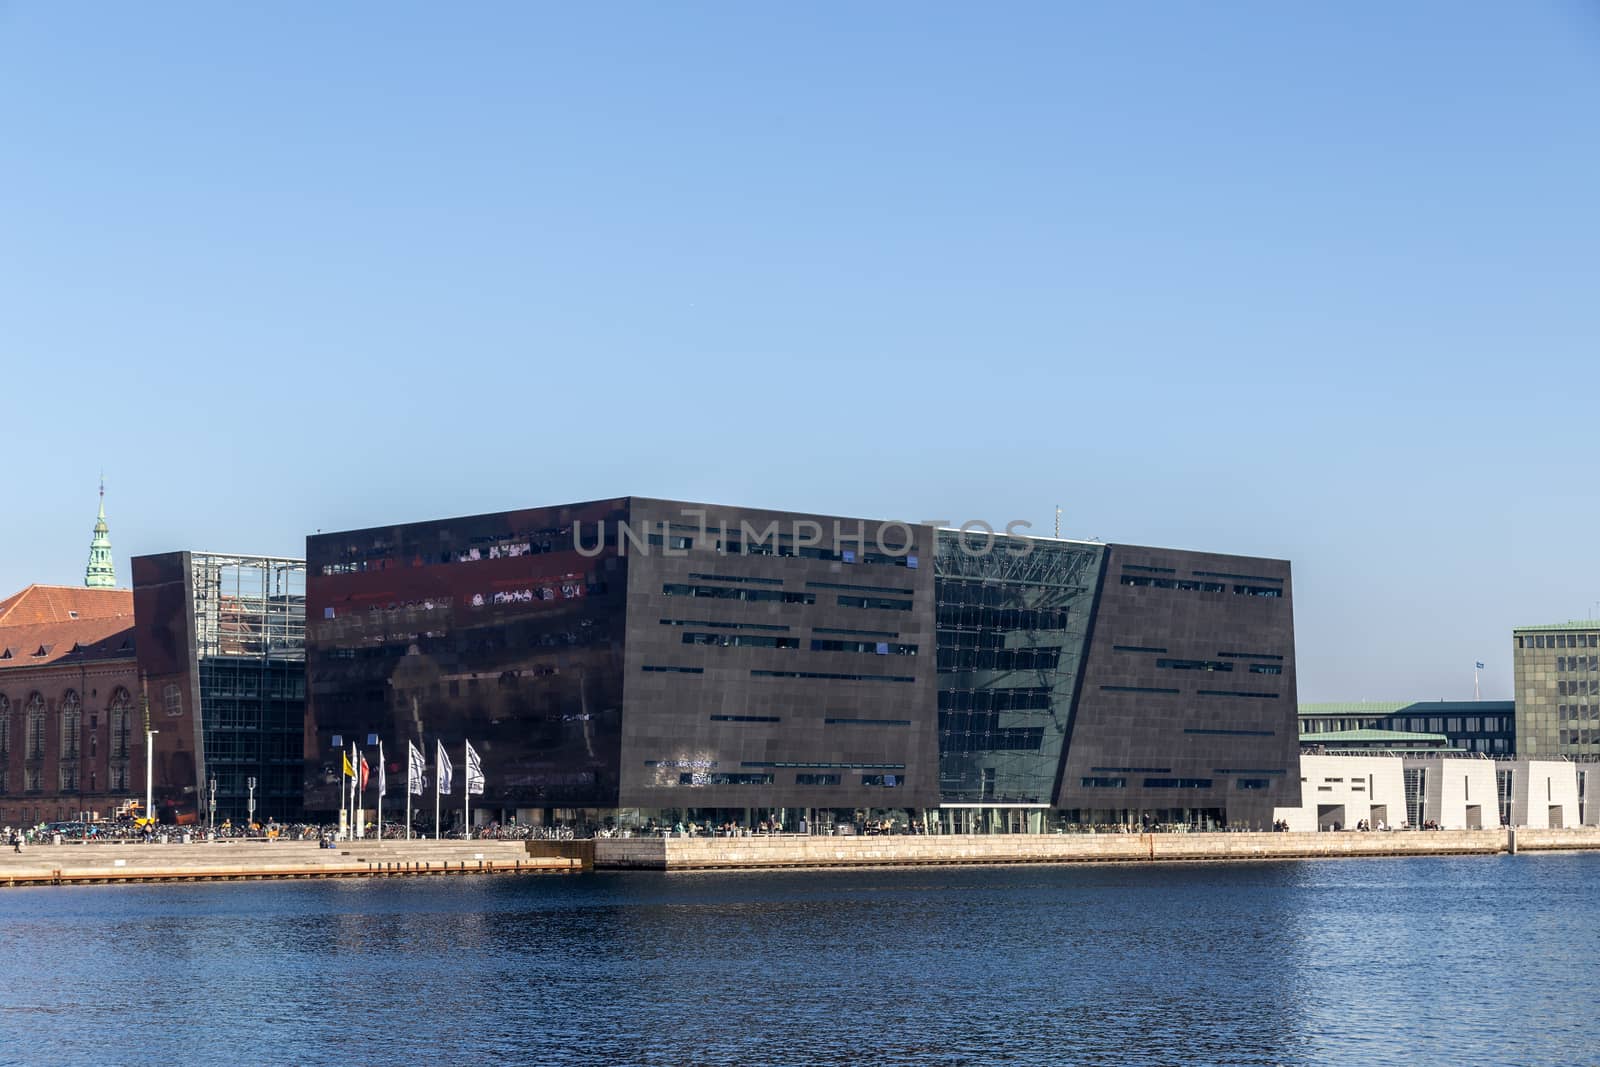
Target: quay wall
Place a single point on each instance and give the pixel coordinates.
(674, 853)
(69, 864)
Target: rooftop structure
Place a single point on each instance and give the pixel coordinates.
(101, 572)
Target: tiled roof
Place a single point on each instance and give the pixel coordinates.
(55, 642)
(64, 603)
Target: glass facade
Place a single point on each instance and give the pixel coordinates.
(1012, 633)
(489, 628)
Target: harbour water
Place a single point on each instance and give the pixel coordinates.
(1447, 960)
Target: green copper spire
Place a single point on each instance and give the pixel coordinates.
(100, 574)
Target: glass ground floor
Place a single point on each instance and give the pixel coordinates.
(959, 818)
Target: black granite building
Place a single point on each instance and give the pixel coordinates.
(1082, 683)
(638, 659)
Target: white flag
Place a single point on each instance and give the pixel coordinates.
(446, 772)
(416, 770)
(383, 779)
(474, 771)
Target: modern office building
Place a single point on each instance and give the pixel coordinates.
(1486, 726)
(221, 654)
(1557, 670)
(638, 659)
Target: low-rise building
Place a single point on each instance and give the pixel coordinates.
(1451, 792)
(1541, 794)
(1340, 792)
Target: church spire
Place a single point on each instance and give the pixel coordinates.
(100, 574)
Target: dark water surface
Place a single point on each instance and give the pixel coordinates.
(1470, 960)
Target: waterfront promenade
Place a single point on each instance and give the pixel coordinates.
(80, 864)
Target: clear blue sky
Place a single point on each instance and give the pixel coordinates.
(1316, 283)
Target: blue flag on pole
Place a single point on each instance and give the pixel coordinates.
(1480, 665)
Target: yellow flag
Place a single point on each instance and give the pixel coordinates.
(348, 770)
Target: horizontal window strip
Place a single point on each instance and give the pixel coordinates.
(699, 778)
(1194, 665)
(876, 603)
(746, 718)
(740, 640)
(734, 578)
(854, 633)
(1236, 693)
(1270, 591)
(1103, 783)
(1136, 648)
(1131, 770)
(825, 766)
(861, 588)
(867, 722)
(1238, 577)
(1149, 570)
(724, 625)
(833, 677)
(718, 592)
(1232, 733)
(1174, 583)
(1247, 770)
(875, 648)
(1135, 689)
(674, 670)
(1250, 655)
(1177, 783)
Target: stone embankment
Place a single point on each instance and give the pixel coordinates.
(79, 864)
(701, 853)
(82, 864)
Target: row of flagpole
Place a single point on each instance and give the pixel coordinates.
(354, 770)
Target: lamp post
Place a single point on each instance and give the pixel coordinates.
(211, 807)
(249, 822)
(149, 772)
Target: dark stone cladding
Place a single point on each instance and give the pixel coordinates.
(680, 726)
(450, 630)
(489, 628)
(1137, 720)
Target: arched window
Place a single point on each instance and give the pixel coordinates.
(121, 708)
(71, 723)
(35, 713)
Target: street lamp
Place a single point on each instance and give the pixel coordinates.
(211, 808)
(250, 821)
(149, 772)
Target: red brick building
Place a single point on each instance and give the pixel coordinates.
(71, 732)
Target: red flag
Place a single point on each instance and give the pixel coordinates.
(363, 772)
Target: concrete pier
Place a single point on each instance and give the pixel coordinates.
(254, 860)
(87, 864)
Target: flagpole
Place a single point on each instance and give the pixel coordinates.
(408, 790)
(466, 792)
(341, 783)
(438, 750)
(381, 784)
